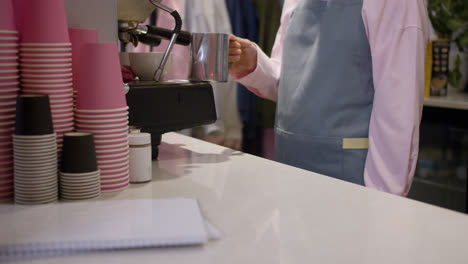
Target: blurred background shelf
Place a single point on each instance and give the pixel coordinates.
(453, 100)
(441, 173)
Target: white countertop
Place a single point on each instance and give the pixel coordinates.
(272, 213)
(453, 100)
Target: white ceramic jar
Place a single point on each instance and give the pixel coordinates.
(140, 157)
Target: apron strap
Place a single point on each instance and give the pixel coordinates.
(355, 143)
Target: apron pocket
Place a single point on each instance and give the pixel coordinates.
(322, 155)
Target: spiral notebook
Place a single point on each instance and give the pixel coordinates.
(62, 228)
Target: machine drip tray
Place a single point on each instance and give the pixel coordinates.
(160, 107)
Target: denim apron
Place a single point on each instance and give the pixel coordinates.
(326, 90)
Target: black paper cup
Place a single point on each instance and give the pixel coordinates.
(79, 153)
(33, 116)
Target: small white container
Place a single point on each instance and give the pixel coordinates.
(140, 157)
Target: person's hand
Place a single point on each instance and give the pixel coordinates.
(235, 144)
(127, 73)
(242, 55)
(215, 137)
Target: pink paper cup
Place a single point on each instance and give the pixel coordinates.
(44, 22)
(118, 181)
(123, 173)
(38, 71)
(78, 37)
(8, 54)
(7, 18)
(52, 89)
(44, 55)
(9, 40)
(8, 32)
(7, 196)
(9, 83)
(4, 117)
(114, 155)
(90, 111)
(55, 104)
(59, 111)
(114, 165)
(45, 61)
(8, 57)
(104, 143)
(45, 44)
(9, 45)
(56, 66)
(40, 50)
(111, 146)
(11, 78)
(9, 62)
(63, 121)
(115, 136)
(11, 104)
(109, 180)
(112, 172)
(103, 130)
(114, 161)
(9, 66)
(62, 131)
(99, 84)
(112, 150)
(6, 132)
(104, 125)
(85, 117)
(63, 117)
(8, 51)
(65, 100)
(8, 95)
(114, 189)
(10, 71)
(42, 76)
(7, 183)
(6, 165)
(103, 121)
(46, 81)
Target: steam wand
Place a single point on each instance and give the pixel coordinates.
(178, 26)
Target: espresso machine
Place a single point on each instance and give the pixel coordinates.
(158, 106)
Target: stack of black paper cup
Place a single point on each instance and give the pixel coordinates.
(79, 174)
(34, 152)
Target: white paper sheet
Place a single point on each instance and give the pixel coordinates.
(99, 225)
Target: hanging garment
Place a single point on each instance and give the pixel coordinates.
(244, 21)
(326, 90)
(269, 14)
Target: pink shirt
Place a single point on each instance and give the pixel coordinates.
(398, 32)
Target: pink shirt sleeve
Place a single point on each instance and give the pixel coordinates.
(264, 80)
(398, 32)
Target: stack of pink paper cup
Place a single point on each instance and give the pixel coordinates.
(102, 110)
(46, 60)
(9, 87)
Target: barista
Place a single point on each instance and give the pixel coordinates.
(348, 78)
